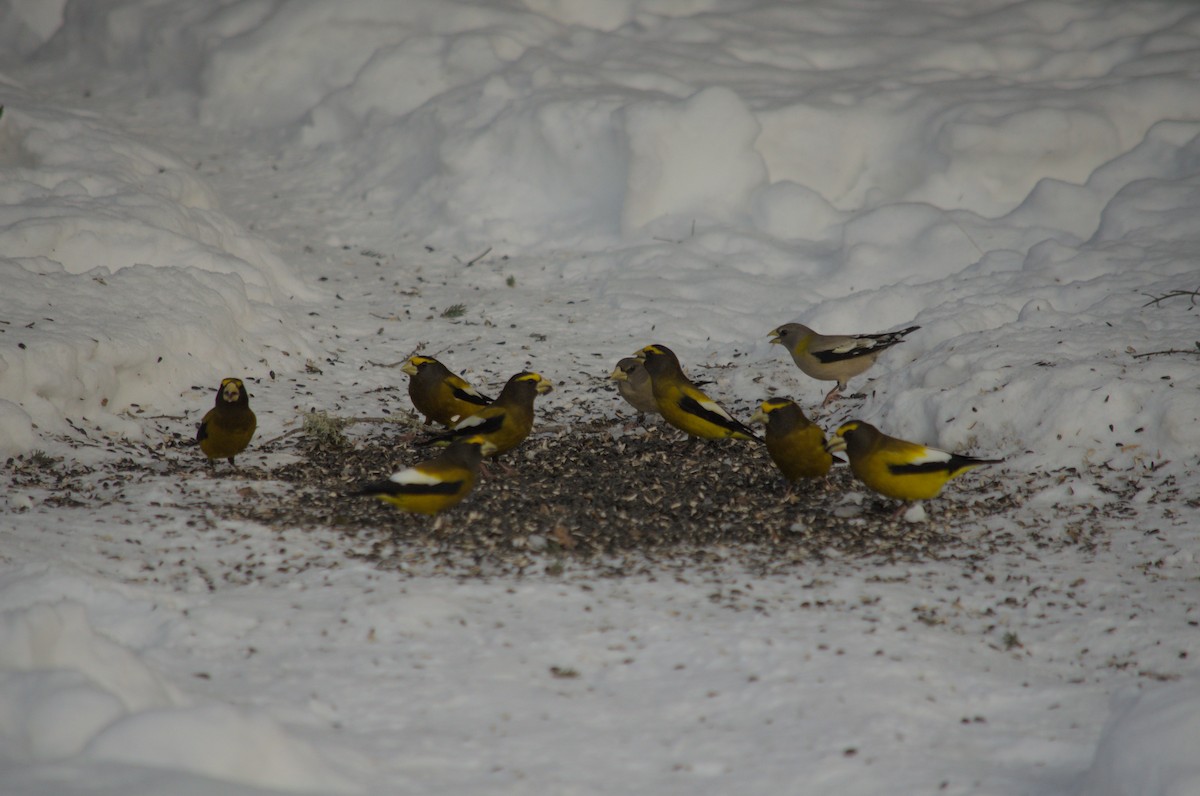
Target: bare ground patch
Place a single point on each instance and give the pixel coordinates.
(586, 495)
(624, 502)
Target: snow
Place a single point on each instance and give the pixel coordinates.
(291, 191)
(667, 139)
(1146, 748)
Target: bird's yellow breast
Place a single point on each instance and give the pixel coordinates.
(800, 454)
(226, 434)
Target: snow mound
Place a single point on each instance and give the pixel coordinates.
(143, 286)
(67, 691)
(1149, 747)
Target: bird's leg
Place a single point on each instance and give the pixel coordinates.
(832, 395)
(899, 512)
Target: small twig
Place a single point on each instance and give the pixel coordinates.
(1195, 350)
(404, 419)
(1194, 294)
(478, 257)
(385, 364)
(285, 434)
(966, 234)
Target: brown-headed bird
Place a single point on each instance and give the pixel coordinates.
(898, 469)
(507, 421)
(682, 404)
(633, 383)
(440, 394)
(436, 484)
(795, 443)
(227, 428)
(834, 357)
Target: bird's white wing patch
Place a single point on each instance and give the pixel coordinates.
(929, 456)
(469, 422)
(853, 343)
(413, 476)
(715, 408)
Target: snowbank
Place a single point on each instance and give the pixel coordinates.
(1148, 747)
(1020, 179)
(770, 164)
(69, 692)
(125, 285)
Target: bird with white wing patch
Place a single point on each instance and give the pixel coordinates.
(897, 468)
(436, 484)
(440, 394)
(834, 357)
(506, 422)
(683, 404)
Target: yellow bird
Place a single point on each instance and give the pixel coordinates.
(682, 404)
(796, 444)
(507, 421)
(227, 428)
(436, 484)
(898, 469)
(834, 357)
(438, 393)
(633, 383)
